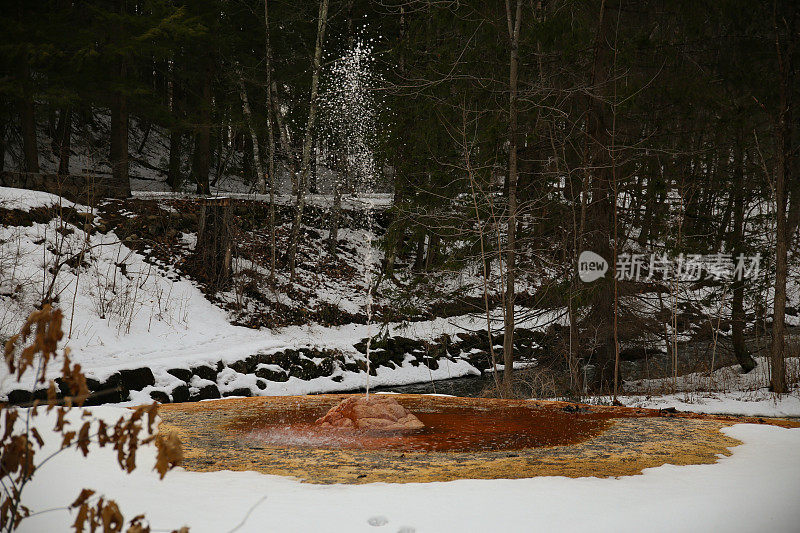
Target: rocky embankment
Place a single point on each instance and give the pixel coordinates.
(251, 376)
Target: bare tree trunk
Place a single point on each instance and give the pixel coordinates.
(174, 171)
(283, 136)
(484, 258)
(4, 121)
(271, 146)
(305, 164)
(201, 163)
(119, 133)
(433, 251)
(740, 350)
(260, 182)
(513, 20)
(419, 255)
(600, 208)
(336, 209)
(64, 141)
(28, 122)
(782, 175)
(175, 135)
(781, 268)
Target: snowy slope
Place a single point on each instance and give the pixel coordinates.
(122, 312)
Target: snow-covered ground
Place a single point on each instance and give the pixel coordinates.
(754, 489)
(745, 403)
(148, 316)
(726, 392)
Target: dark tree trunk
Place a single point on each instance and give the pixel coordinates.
(433, 251)
(174, 172)
(513, 20)
(784, 181)
(305, 165)
(64, 141)
(336, 211)
(215, 242)
(119, 133)
(740, 350)
(201, 162)
(3, 134)
(600, 209)
(27, 117)
(419, 257)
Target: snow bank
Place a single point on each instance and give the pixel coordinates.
(764, 472)
(26, 199)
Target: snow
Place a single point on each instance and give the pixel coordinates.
(26, 199)
(152, 318)
(720, 403)
(517, 365)
(764, 472)
(724, 392)
(378, 201)
(142, 316)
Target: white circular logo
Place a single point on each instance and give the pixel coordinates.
(591, 266)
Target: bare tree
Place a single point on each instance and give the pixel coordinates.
(514, 21)
(271, 144)
(305, 161)
(783, 136)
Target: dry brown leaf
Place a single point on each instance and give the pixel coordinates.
(82, 498)
(67, 440)
(170, 453)
(81, 518)
(111, 517)
(83, 438)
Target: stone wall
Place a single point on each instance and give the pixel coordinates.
(84, 189)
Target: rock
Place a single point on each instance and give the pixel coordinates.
(431, 363)
(209, 392)
(20, 396)
(272, 375)
(467, 338)
(205, 372)
(326, 367)
(453, 349)
(180, 393)
(136, 378)
(405, 345)
(40, 394)
(111, 391)
(62, 387)
(245, 366)
(181, 373)
(243, 391)
(159, 396)
(305, 369)
(382, 413)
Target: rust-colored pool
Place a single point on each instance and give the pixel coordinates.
(449, 428)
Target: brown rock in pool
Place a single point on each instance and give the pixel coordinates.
(378, 413)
